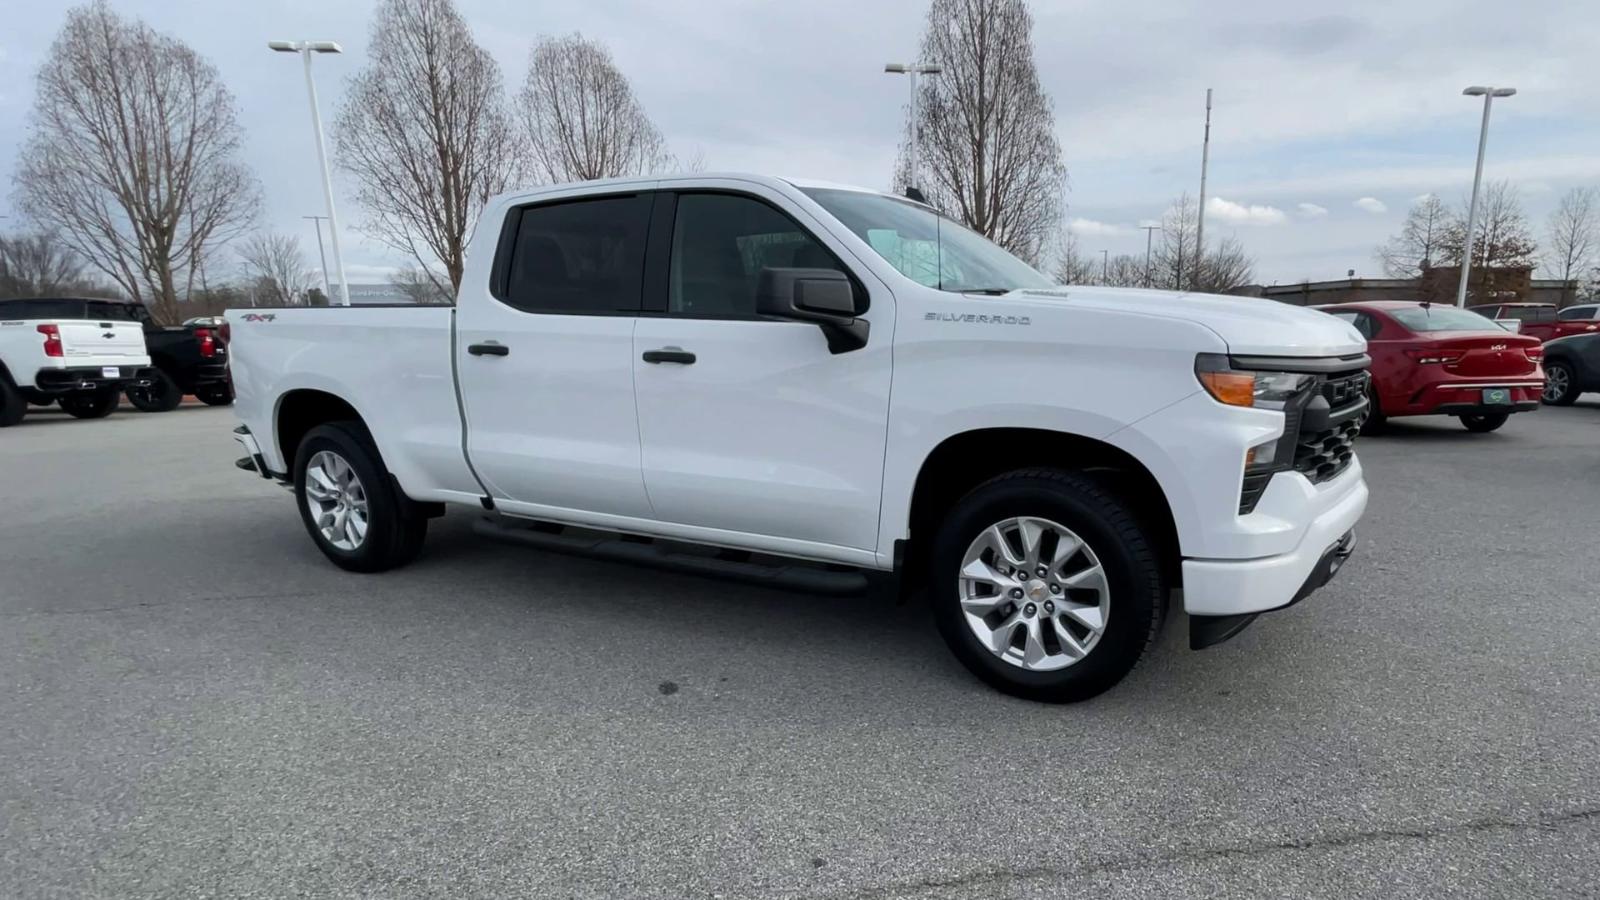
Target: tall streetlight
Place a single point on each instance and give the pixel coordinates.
(1488, 94)
(1149, 232)
(305, 49)
(913, 70)
(327, 289)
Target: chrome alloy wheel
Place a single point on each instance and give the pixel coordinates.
(1556, 383)
(336, 499)
(1034, 593)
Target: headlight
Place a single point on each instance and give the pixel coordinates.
(1240, 387)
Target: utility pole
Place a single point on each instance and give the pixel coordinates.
(1149, 232)
(1105, 266)
(1200, 223)
(1488, 94)
(913, 181)
(327, 290)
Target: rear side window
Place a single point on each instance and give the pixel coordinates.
(582, 256)
(1423, 319)
(720, 244)
(1578, 313)
(1529, 313)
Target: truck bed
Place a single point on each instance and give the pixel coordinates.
(393, 364)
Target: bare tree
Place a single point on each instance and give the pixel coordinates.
(277, 267)
(1417, 246)
(425, 132)
(133, 155)
(38, 265)
(1223, 268)
(1069, 265)
(990, 151)
(419, 286)
(1501, 239)
(1173, 258)
(1574, 231)
(580, 116)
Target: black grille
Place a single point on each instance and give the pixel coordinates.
(1322, 450)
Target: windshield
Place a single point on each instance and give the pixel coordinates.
(1443, 318)
(928, 248)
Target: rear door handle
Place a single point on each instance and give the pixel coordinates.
(490, 349)
(669, 354)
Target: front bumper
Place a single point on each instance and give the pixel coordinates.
(90, 378)
(1236, 587)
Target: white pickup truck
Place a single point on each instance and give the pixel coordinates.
(791, 371)
(83, 363)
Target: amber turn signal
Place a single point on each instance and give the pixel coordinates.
(1232, 388)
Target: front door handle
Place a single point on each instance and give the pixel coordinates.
(490, 349)
(669, 354)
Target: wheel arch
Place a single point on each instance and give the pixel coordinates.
(300, 410)
(962, 461)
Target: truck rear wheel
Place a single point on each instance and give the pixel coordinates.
(92, 404)
(351, 507)
(13, 406)
(163, 394)
(1045, 585)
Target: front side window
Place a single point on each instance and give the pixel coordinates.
(720, 244)
(580, 256)
(1578, 313)
(926, 247)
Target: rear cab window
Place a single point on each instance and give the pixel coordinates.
(578, 256)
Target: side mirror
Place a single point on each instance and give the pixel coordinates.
(823, 296)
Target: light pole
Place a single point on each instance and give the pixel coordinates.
(305, 49)
(1149, 232)
(1488, 94)
(1105, 266)
(913, 70)
(327, 289)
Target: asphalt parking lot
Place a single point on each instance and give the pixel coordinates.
(196, 704)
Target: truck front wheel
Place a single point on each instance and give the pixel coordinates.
(92, 404)
(163, 394)
(1045, 585)
(351, 507)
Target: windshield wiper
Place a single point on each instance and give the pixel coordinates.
(990, 292)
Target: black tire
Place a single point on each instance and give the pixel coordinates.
(1108, 525)
(215, 395)
(163, 394)
(1485, 423)
(396, 525)
(1560, 390)
(13, 406)
(92, 404)
(1376, 421)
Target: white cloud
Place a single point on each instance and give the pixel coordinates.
(1372, 205)
(1423, 198)
(1091, 228)
(1241, 214)
(1311, 210)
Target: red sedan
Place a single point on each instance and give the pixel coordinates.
(1432, 360)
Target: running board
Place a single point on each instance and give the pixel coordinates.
(728, 564)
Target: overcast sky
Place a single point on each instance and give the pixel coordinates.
(1326, 124)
